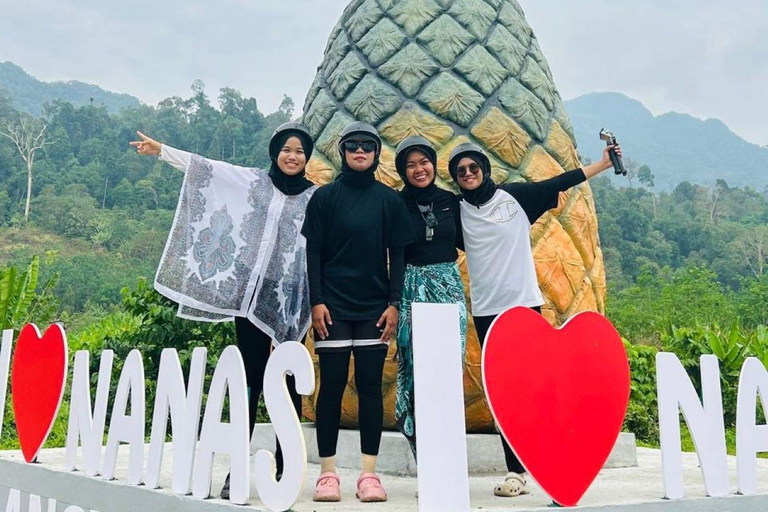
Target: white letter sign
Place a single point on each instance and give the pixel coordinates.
(124, 428)
(438, 386)
(294, 359)
(228, 438)
(84, 425)
(676, 392)
(750, 437)
(184, 409)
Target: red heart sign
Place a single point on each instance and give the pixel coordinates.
(38, 377)
(558, 396)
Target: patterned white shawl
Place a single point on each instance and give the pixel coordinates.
(236, 249)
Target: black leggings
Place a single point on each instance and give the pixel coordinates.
(482, 325)
(256, 346)
(334, 372)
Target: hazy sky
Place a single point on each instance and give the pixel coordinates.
(708, 58)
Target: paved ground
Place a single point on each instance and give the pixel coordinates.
(613, 487)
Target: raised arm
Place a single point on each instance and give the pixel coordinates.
(539, 196)
(175, 157)
(592, 170)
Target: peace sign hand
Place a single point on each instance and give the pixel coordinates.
(147, 146)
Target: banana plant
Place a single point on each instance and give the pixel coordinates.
(759, 344)
(729, 346)
(18, 298)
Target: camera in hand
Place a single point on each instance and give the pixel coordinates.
(610, 140)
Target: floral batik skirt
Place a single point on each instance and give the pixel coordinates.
(436, 284)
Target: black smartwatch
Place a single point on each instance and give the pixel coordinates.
(395, 304)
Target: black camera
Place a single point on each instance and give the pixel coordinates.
(610, 140)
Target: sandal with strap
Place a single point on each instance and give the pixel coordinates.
(513, 485)
(369, 488)
(327, 488)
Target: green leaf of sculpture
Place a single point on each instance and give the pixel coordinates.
(335, 54)
(526, 108)
(372, 100)
(382, 42)
(481, 70)
(409, 69)
(319, 113)
(415, 15)
(538, 83)
(513, 20)
(561, 115)
(538, 56)
(363, 19)
(314, 90)
(505, 47)
(445, 39)
(450, 97)
(476, 15)
(347, 74)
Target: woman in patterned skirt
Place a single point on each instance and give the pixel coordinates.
(431, 274)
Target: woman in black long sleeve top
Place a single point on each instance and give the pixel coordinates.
(353, 226)
(432, 274)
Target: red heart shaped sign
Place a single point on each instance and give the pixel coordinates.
(38, 377)
(559, 397)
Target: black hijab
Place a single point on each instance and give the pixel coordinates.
(487, 188)
(289, 185)
(359, 179)
(413, 195)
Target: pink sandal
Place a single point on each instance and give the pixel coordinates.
(369, 488)
(327, 487)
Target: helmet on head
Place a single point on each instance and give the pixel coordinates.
(364, 130)
(283, 132)
(409, 144)
(469, 149)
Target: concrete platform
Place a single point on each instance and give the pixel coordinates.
(627, 489)
(484, 451)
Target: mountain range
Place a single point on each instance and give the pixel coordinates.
(28, 94)
(675, 146)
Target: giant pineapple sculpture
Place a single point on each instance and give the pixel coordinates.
(453, 71)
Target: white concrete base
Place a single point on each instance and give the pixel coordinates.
(615, 490)
(395, 458)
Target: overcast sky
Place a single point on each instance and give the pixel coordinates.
(708, 58)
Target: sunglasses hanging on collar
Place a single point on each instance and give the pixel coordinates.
(429, 219)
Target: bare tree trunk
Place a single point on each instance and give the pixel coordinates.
(27, 144)
(30, 162)
(713, 210)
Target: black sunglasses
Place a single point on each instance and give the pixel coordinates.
(351, 146)
(473, 168)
